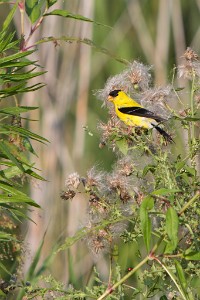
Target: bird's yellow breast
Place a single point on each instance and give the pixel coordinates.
(134, 121)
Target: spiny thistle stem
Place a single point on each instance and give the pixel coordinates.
(172, 277)
(111, 289)
(190, 202)
(148, 257)
(192, 107)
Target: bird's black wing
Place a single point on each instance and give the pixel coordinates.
(140, 112)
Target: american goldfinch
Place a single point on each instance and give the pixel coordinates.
(133, 114)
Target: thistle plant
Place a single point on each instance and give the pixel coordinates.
(150, 199)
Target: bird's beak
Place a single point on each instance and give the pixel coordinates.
(110, 98)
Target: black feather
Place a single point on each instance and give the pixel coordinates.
(114, 93)
(166, 136)
(140, 112)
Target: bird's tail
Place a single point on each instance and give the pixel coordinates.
(166, 136)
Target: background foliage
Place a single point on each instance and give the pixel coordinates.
(79, 57)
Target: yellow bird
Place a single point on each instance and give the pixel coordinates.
(133, 114)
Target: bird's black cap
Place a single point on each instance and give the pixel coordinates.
(114, 93)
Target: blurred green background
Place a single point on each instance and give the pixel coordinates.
(153, 32)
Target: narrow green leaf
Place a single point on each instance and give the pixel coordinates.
(164, 191)
(50, 2)
(163, 297)
(17, 64)
(148, 168)
(68, 14)
(6, 151)
(181, 276)
(12, 171)
(6, 41)
(12, 195)
(28, 146)
(8, 129)
(15, 56)
(172, 223)
(18, 215)
(10, 16)
(32, 268)
(190, 170)
(191, 119)
(33, 9)
(4, 269)
(4, 236)
(16, 199)
(34, 174)
(179, 89)
(180, 165)
(19, 77)
(16, 110)
(47, 261)
(35, 14)
(193, 255)
(147, 204)
(12, 90)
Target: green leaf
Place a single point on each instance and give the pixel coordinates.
(6, 41)
(122, 145)
(6, 151)
(10, 16)
(28, 146)
(8, 129)
(172, 223)
(16, 110)
(4, 268)
(20, 88)
(33, 9)
(47, 261)
(191, 119)
(12, 195)
(19, 77)
(181, 276)
(32, 268)
(16, 198)
(147, 204)
(13, 57)
(164, 191)
(148, 168)
(192, 255)
(4, 236)
(35, 175)
(17, 64)
(180, 165)
(163, 297)
(68, 14)
(50, 2)
(179, 89)
(190, 170)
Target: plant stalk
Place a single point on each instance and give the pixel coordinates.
(190, 202)
(111, 289)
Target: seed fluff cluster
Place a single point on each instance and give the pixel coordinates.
(191, 65)
(136, 81)
(110, 198)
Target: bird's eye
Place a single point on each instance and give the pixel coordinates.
(114, 93)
